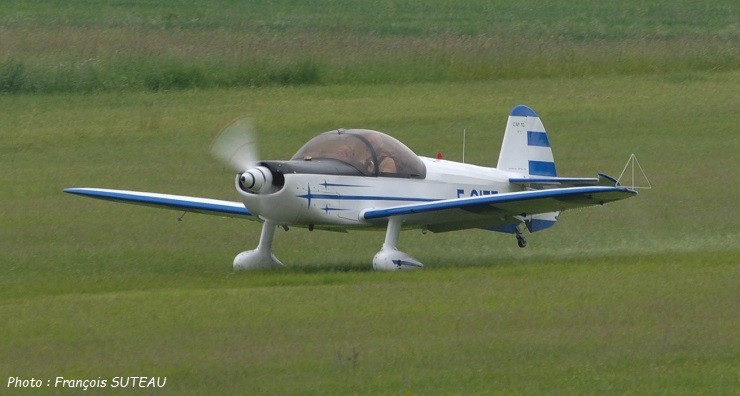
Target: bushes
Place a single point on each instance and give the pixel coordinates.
(81, 60)
(154, 75)
(13, 77)
(374, 61)
(72, 46)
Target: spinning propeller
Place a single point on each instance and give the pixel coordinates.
(236, 147)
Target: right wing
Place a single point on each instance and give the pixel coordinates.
(495, 210)
(168, 201)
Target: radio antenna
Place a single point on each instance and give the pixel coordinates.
(463, 159)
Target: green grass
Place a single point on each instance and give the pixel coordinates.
(569, 327)
(635, 297)
(393, 18)
(74, 47)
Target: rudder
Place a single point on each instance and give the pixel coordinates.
(526, 147)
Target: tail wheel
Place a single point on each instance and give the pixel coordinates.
(521, 240)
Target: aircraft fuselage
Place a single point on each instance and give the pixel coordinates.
(337, 201)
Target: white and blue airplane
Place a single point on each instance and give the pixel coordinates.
(358, 178)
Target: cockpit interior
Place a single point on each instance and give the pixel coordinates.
(371, 153)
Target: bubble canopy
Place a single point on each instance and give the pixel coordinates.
(372, 153)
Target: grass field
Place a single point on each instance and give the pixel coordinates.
(158, 45)
(637, 297)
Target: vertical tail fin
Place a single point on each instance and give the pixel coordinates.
(526, 148)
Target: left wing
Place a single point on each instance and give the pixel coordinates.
(493, 210)
(168, 201)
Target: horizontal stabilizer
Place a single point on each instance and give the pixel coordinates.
(554, 181)
(606, 180)
(167, 201)
(544, 182)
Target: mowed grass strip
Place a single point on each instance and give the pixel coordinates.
(563, 326)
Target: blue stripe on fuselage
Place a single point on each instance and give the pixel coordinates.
(367, 198)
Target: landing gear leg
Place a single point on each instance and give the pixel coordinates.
(389, 258)
(261, 257)
(521, 240)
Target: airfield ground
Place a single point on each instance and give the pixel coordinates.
(639, 296)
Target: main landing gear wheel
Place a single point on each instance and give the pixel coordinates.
(261, 257)
(521, 240)
(389, 258)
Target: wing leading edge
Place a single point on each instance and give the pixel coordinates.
(176, 202)
(473, 212)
